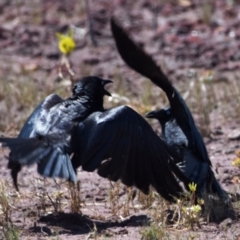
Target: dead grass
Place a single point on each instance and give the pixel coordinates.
(7, 205)
(75, 197)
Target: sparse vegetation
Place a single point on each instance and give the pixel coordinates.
(7, 205)
(75, 197)
(93, 207)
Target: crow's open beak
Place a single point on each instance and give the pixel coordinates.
(107, 93)
(105, 82)
(150, 114)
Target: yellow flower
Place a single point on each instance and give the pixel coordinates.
(236, 162)
(192, 186)
(66, 43)
(196, 208)
(200, 201)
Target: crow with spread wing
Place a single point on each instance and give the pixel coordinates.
(178, 127)
(117, 142)
(46, 136)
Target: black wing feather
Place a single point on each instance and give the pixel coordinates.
(138, 60)
(52, 161)
(29, 126)
(27, 131)
(122, 146)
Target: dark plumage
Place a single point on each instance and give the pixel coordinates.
(118, 142)
(196, 170)
(179, 129)
(131, 150)
(46, 136)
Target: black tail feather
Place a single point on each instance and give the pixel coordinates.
(52, 162)
(137, 59)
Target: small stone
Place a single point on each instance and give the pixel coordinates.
(234, 135)
(225, 224)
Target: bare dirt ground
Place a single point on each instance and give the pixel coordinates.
(196, 43)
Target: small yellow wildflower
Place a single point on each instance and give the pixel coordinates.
(192, 186)
(200, 201)
(192, 212)
(236, 162)
(66, 43)
(196, 208)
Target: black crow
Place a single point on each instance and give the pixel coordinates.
(45, 137)
(118, 142)
(179, 129)
(197, 171)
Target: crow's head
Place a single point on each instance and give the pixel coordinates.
(91, 86)
(92, 89)
(163, 115)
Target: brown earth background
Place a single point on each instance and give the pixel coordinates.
(197, 43)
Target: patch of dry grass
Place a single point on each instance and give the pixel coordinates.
(7, 205)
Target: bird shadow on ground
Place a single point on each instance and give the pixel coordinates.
(73, 223)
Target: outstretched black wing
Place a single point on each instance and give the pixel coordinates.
(28, 129)
(51, 157)
(138, 60)
(122, 146)
(27, 149)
